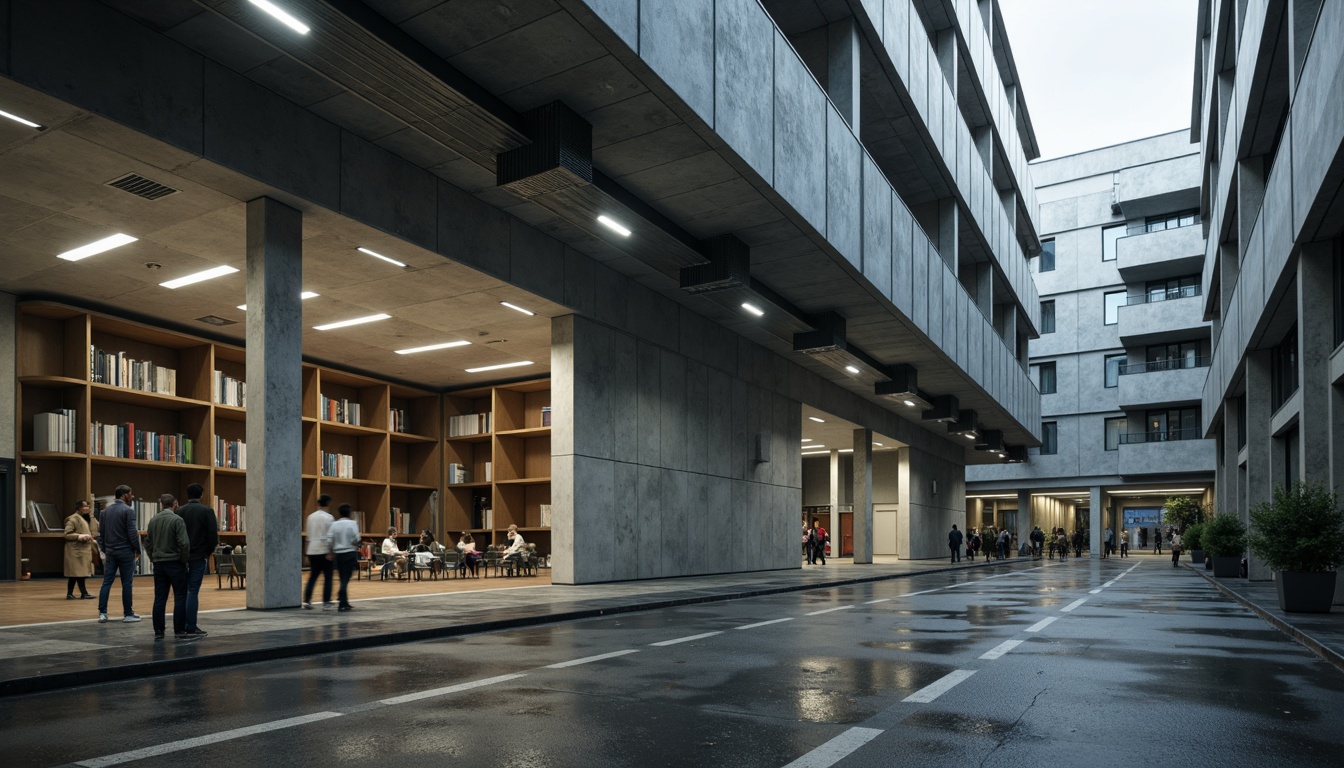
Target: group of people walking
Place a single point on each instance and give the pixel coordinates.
(994, 544)
(815, 541)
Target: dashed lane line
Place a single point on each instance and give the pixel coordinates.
(1042, 624)
(940, 686)
(689, 638)
(444, 691)
(764, 623)
(880, 600)
(836, 749)
(829, 610)
(200, 741)
(591, 659)
(1069, 608)
(1000, 649)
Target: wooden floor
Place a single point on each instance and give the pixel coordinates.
(42, 600)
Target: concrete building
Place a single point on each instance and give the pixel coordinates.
(716, 214)
(1123, 352)
(1268, 87)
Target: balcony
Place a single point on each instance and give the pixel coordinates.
(1155, 188)
(1166, 452)
(1162, 316)
(1152, 255)
(1163, 382)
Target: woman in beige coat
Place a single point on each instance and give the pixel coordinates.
(80, 533)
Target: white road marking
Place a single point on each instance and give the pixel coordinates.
(763, 623)
(200, 741)
(829, 610)
(880, 600)
(944, 684)
(1094, 592)
(1068, 608)
(1000, 649)
(590, 659)
(836, 749)
(1042, 624)
(687, 639)
(444, 691)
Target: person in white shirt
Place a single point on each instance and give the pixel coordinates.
(344, 535)
(320, 557)
(396, 558)
(513, 556)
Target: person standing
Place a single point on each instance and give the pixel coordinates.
(79, 550)
(1004, 544)
(320, 555)
(1157, 542)
(203, 534)
(809, 544)
(954, 539)
(823, 538)
(1124, 543)
(170, 550)
(344, 535)
(120, 543)
(1177, 546)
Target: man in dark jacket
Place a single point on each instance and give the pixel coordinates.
(120, 542)
(168, 550)
(203, 533)
(954, 543)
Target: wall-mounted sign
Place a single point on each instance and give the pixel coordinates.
(1140, 517)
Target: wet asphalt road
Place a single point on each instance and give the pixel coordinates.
(1153, 667)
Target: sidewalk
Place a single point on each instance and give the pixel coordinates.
(43, 657)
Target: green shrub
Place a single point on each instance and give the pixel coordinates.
(1193, 536)
(1181, 512)
(1224, 536)
(1301, 529)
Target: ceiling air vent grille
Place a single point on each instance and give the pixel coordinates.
(141, 187)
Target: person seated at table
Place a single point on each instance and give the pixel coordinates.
(396, 557)
(470, 556)
(512, 558)
(427, 551)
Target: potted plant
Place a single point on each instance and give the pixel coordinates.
(1224, 539)
(1181, 512)
(1194, 541)
(1300, 535)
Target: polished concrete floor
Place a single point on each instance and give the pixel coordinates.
(1117, 662)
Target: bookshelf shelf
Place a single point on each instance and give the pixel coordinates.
(481, 438)
(56, 455)
(352, 481)
(525, 481)
(413, 487)
(114, 461)
(230, 412)
(53, 381)
(406, 437)
(113, 394)
(530, 432)
(230, 471)
(338, 428)
(481, 484)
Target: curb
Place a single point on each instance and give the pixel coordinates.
(52, 682)
(1327, 654)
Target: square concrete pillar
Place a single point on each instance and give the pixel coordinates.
(1095, 521)
(1259, 456)
(833, 527)
(274, 403)
(842, 70)
(1315, 343)
(1023, 517)
(863, 496)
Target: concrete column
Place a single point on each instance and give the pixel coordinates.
(1229, 269)
(1315, 343)
(1008, 199)
(842, 70)
(1228, 489)
(983, 139)
(1250, 196)
(863, 496)
(945, 46)
(1005, 322)
(833, 527)
(1023, 517)
(949, 224)
(1095, 524)
(274, 403)
(1259, 444)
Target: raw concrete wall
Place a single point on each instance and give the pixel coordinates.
(927, 513)
(9, 418)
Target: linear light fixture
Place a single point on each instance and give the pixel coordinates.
(753, 309)
(877, 444)
(846, 450)
(517, 308)
(302, 297)
(200, 277)
(817, 453)
(20, 120)
(851, 369)
(432, 347)
(351, 321)
(819, 421)
(807, 439)
(282, 15)
(909, 403)
(378, 255)
(498, 367)
(812, 447)
(97, 247)
(613, 225)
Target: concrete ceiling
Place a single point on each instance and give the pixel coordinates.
(837, 434)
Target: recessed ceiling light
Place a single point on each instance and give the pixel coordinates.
(432, 347)
(812, 447)
(819, 421)
(846, 450)
(302, 296)
(497, 367)
(753, 309)
(971, 436)
(97, 247)
(517, 308)
(613, 225)
(199, 277)
(378, 255)
(909, 403)
(352, 321)
(807, 439)
(851, 369)
(282, 16)
(876, 443)
(18, 119)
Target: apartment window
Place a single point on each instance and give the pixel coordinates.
(1047, 317)
(1173, 424)
(1113, 363)
(1109, 236)
(1047, 263)
(1114, 301)
(1114, 429)
(1049, 438)
(1171, 357)
(1175, 288)
(1241, 422)
(1290, 458)
(1283, 369)
(1046, 378)
(1171, 221)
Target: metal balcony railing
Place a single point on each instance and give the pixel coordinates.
(1160, 436)
(1152, 297)
(1172, 364)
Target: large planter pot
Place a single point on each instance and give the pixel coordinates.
(1197, 556)
(1305, 592)
(1227, 567)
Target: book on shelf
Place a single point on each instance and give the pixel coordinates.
(229, 391)
(458, 474)
(55, 431)
(118, 370)
(47, 515)
(396, 419)
(124, 441)
(232, 517)
(545, 515)
(339, 465)
(230, 454)
(545, 415)
(342, 411)
(402, 521)
(470, 424)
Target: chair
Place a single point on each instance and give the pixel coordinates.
(379, 560)
(419, 566)
(450, 561)
(492, 559)
(223, 563)
(240, 568)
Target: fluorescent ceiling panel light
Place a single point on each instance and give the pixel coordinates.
(517, 308)
(378, 255)
(851, 369)
(876, 443)
(281, 15)
(819, 421)
(909, 403)
(812, 447)
(807, 439)
(846, 450)
(613, 225)
(352, 321)
(302, 297)
(18, 119)
(432, 347)
(97, 247)
(817, 453)
(497, 367)
(753, 309)
(200, 277)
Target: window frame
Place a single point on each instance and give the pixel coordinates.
(1123, 229)
(1106, 380)
(1048, 326)
(1041, 369)
(1047, 262)
(1049, 438)
(1105, 305)
(1122, 423)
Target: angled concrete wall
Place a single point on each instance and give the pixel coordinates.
(9, 417)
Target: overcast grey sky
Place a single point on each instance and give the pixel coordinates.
(1101, 72)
